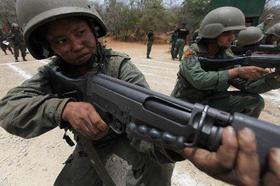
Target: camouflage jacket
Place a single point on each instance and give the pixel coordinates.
(36, 107)
(195, 85)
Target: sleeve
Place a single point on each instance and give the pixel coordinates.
(130, 73)
(31, 109)
(191, 70)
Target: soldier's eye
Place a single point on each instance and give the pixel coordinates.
(80, 32)
(60, 41)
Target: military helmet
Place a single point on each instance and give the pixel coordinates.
(221, 20)
(33, 14)
(274, 30)
(251, 35)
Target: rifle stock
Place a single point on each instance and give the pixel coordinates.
(162, 119)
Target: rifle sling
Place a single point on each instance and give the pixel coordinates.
(96, 162)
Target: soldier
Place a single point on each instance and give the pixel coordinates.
(4, 44)
(17, 41)
(266, 23)
(71, 29)
(272, 35)
(172, 42)
(181, 41)
(250, 36)
(150, 40)
(211, 87)
(247, 41)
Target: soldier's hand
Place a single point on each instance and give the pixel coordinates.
(236, 161)
(248, 72)
(277, 78)
(85, 120)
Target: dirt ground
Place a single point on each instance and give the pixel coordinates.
(37, 161)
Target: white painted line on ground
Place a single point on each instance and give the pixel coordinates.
(157, 76)
(158, 67)
(24, 74)
(156, 61)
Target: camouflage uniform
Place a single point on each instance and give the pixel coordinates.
(38, 104)
(173, 43)
(196, 85)
(182, 34)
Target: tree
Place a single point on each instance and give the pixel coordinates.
(193, 11)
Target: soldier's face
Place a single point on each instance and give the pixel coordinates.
(72, 39)
(225, 39)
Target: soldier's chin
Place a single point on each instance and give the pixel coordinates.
(83, 60)
(224, 46)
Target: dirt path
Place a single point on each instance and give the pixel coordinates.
(38, 161)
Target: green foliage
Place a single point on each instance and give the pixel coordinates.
(133, 20)
(7, 12)
(193, 11)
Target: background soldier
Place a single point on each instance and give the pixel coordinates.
(194, 84)
(265, 24)
(172, 42)
(272, 35)
(4, 44)
(181, 41)
(247, 41)
(17, 41)
(150, 40)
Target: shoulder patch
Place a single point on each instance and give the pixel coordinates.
(188, 53)
(192, 61)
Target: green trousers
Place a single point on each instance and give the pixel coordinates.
(236, 101)
(179, 48)
(143, 171)
(19, 47)
(149, 48)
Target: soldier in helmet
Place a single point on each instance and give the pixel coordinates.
(68, 30)
(17, 41)
(272, 35)
(247, 41)
(194, 84)
(266, 23)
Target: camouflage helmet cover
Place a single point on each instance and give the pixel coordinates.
(221, 20)
(251, 35)
(32, 14)
(274, 30)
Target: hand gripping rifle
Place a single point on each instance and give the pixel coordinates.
(259, 60)
(162, 119)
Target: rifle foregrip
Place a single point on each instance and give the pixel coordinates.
(267, 134)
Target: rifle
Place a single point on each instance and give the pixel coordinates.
(161, 119)
(268, 49)
(259, 60)
(260, 48)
